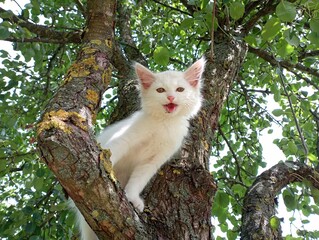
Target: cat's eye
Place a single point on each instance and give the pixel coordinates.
(160, 90)
(180, 89)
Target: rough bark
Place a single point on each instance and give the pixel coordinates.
(66, 141)
(259, 203)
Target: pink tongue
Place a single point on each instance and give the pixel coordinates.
(170, 107)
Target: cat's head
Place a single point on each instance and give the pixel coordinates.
(171, 93)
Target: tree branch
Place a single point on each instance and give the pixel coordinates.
(259, 202)
(269, 7)
(249, 7)
(315, 115)
(307, 80)
(173, 8)
(66, 140)
(307, 54)
(191, 8)
(40, 39)
(285, 64)
(43, 32)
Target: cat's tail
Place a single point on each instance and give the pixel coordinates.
(85, 231)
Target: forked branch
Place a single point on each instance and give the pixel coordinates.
(44, 33)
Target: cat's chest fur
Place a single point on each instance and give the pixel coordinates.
(149, 141)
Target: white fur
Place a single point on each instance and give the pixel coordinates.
(142, 143)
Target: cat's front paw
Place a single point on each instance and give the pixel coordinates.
(137, 202)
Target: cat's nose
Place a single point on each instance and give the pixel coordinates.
(171, 98)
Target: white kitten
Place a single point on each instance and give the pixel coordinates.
(142, 143)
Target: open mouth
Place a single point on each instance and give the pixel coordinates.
(171, 107)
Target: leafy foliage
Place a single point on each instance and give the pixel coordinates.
(283, 50)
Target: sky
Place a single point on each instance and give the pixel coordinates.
(271, 153)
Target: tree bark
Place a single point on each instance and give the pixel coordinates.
(66, 141)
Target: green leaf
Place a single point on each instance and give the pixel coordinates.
(285, 49)
(306, 210)
(161, 56)
(289, 200)
(314, 38)
(237, 10)
(222, 199)
(38, 183)
(187, 23)
(277, 112)
(251, 40)
(30, 227)
(271, 29)
(231, 235)
(286, 11)
(4, 32)
(292, 147)
(3, 165)
(314, 25)
(315, 194)
(312, 157)
(36, 7)
(274, 222)
(305, 221)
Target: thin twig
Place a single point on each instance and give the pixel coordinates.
(212, 33)
(268, 8)
(232, 152)
(315, 115)
(303, 142)
(282, 63)
(307, 80)
(308, 54)
(173, 8)
(80, 6)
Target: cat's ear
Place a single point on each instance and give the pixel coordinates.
(145, 76)
(194, 73)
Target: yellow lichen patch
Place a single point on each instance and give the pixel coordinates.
(106, 76)
(77, 70)
(57, 119)
(92, 96)
(206, 145)
(81, 68)
(95, 214)
(161, 173)
(88, 63)
(67, 79)
(89, 50)
(104, 158)
(108, 43)
(96, 41)
(175, 171)
(107, 225)
(50, 122)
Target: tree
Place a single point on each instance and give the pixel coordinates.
(70, 53)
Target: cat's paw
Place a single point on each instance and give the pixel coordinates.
(137, 202)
